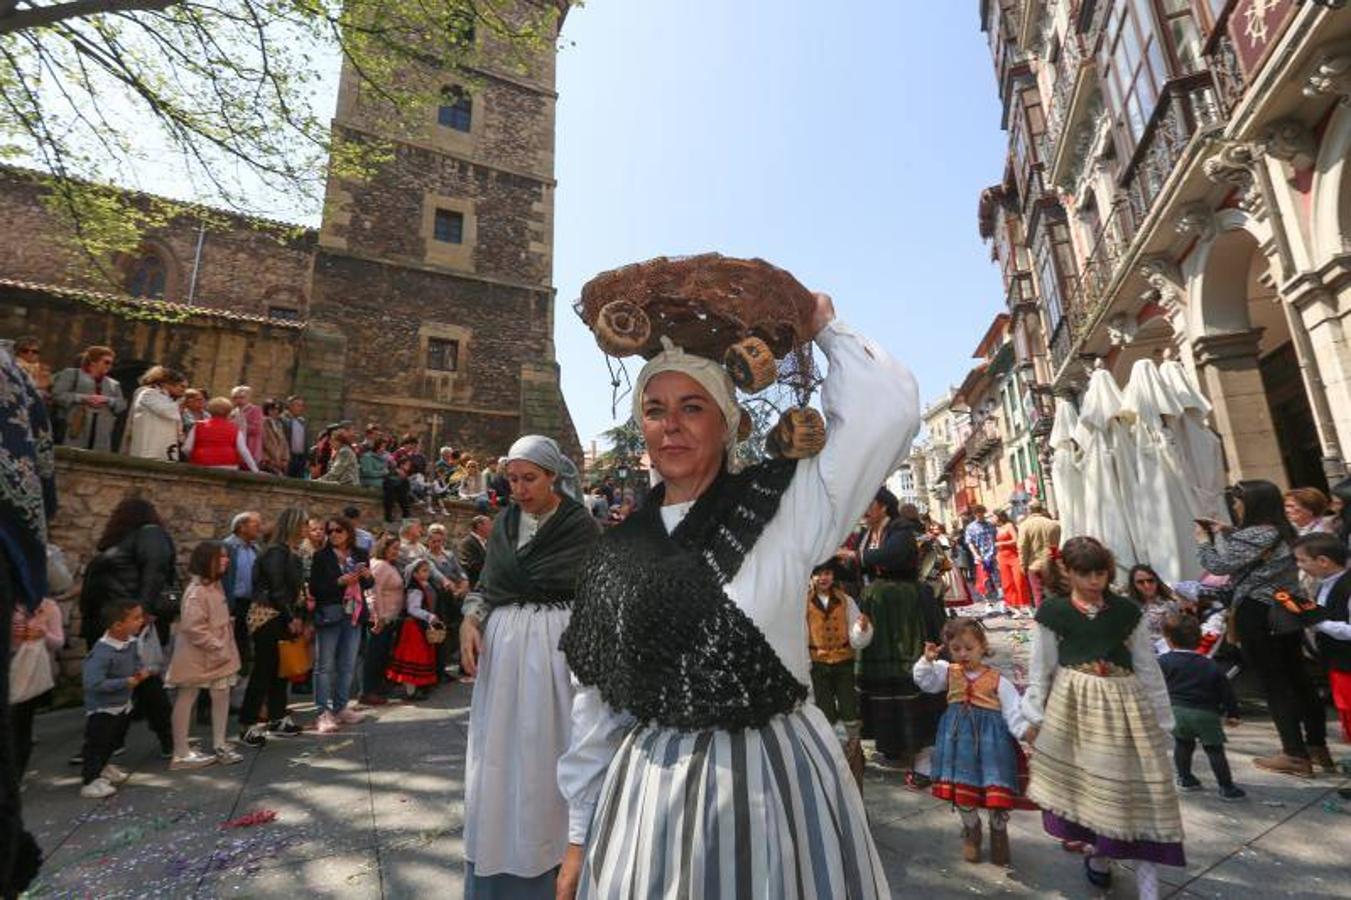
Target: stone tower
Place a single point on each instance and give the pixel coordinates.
(431, 307)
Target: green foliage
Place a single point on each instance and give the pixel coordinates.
(224, 93)
(626, 450)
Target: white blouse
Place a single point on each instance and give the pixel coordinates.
(1045, 661)
(932, 678)
(871, 405)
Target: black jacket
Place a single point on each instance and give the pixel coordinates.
(278, 581)
(1336, 653)
(898, 555)
(325, 572)
(139, 566)
(471, 553)
(1197, 682)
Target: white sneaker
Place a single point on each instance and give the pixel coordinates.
(327, 724)
(97, 789)
(350, 716)
(226, 756)
(194, 760)
(114, 774)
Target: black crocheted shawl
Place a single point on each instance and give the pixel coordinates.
(652, 629)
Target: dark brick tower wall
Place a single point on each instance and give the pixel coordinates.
(391, 296)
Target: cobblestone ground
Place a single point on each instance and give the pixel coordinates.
(376, 811)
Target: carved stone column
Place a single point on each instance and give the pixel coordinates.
(1228, 370)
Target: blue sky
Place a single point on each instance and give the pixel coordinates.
(847, 142)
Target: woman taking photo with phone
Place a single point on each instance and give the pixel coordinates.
(1259, 562)
(340, 573)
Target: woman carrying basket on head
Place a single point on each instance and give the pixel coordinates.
(698, 768)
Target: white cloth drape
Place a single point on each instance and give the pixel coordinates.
(1109, 469)
(1162, 501)
(1200, 448)
(1067, 473)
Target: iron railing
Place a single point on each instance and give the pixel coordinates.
(1223, 62)
(1189, 104)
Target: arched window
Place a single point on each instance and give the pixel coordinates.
(146, 276)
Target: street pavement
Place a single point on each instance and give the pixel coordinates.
(377, 811)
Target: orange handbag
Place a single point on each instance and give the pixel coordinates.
(294, 657)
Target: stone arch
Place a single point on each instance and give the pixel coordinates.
(1221, 274)
(150, 271)
(1331, 221)
(1241, 345)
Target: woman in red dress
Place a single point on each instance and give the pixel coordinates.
(1017, 592)
(414, 661)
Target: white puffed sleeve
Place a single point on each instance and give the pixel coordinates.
(1011, 705)
(931, 677)
(1150, 676)
(860, 635)
(871, 405)
(1041, 672)
(597, 730)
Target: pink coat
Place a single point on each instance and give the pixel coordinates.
(48, 615)
(204, 650)
(249, 418)
(389, 592)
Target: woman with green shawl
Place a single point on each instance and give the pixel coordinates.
(516, 821)
(899, 717)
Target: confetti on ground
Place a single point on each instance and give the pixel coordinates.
(412, 842)
(1333, 806)
(309, 756)
(257, 817)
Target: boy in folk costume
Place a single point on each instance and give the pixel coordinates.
(835, 629)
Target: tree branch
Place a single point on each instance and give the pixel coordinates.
(23, 20)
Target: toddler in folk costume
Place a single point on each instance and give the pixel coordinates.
(976, 760)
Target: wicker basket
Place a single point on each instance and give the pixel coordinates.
(436, 633)
(703, 303)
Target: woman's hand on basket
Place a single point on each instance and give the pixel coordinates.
(565, 888)
(471, 645)
(824, 313)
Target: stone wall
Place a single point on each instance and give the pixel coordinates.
(246, 265)
(195, 503)
(216, 351)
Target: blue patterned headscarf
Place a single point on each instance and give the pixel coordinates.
(27, 480)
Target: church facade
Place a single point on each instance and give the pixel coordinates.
(424, 301)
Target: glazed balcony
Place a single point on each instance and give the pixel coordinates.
(1188, 107)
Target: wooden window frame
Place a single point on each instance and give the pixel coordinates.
(438, 349)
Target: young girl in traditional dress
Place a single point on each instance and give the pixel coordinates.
(976, 759)
(1100, 716)
(414, 661)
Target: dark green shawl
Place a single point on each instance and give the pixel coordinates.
(546, 569)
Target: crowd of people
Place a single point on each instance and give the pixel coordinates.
(291, 604)
(676, 675)
(167, 420)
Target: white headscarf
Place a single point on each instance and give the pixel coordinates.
(711, 376)
(545, 453)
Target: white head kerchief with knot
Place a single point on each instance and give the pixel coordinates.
(711, 376)
(545, 453)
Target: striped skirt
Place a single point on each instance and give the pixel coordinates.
(1101, 763)
(758, 813)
